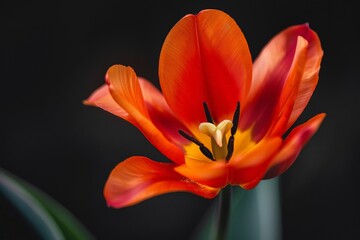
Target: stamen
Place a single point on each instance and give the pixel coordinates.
(207, 113)
(204, 150)
(235, 119)
(230, 146)
(190, 138)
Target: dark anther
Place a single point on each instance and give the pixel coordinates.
(202, 147)
(190, 138)
(235, 119)
(207, 113)
(206, 152)
(230, 147)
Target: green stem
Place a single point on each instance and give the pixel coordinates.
(224, 205)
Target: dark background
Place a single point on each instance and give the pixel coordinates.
(54, 54)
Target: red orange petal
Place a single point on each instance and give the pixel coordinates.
(249, 167)
(138, 178)
(271, 70)
(311, 72)
(290, 89)
(160, 113)
(205, 58)
(293, 144)
(214, 174)
(126, 91)
(302, 79)
(102, 98)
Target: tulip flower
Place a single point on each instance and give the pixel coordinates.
(220, 118)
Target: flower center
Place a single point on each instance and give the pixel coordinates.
(221, 148)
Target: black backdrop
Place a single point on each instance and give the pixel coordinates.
(54, 54)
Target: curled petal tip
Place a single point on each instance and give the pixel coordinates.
(87, 103)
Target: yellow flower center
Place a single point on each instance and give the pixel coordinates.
(220, 146)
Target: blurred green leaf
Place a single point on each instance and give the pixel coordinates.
(49, 218)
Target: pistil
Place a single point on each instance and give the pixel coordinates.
(217, 135)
